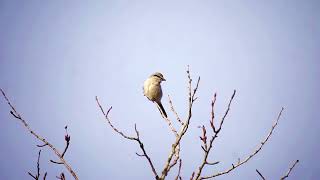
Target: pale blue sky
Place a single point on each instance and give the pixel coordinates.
(56, 56)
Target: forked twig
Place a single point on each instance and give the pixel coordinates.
(15, 114)
(290, 169)
(67, 140)
(37, 176)
(137, 138)
(283, 177)
(239, 163)
(207, 147)
(184, 128)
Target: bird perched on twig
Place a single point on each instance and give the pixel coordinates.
(152, 90)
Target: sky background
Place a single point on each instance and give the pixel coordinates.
(56, 56)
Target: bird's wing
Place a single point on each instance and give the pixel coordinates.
(145, 87)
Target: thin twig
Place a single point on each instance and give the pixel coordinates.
(109, 122)
(62, 176)
(15, 114)
(170, 125)
(177, 156)
(34, 177)
(137, 138)
(262, 177)
(67, 140)
(207, 148)
(192, 175)
(38, 168)
(213, 102)
(45, 176)
(179, 170)
(184, 128)
(174, 131)
(174, 111)
(38, 164)
(225, 114)
(42, 145)
(239, 163)
(290, 169)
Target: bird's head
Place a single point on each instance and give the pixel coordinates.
(158, 76)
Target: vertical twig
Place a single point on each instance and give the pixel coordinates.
(184, 128)
(179, 171)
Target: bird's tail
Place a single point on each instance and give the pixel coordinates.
(161, 109)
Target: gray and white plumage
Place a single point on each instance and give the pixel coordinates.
(152, 90)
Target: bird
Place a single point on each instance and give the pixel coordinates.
(152, 90)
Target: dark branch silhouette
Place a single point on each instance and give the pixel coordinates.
(207, 141)
(256, 151)
(67, 140)
(37, 176)
(290, 169)
(15, 114)
(261, 176)
(207, 138)
(283, 177)
(137, 138)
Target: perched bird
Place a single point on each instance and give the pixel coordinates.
(152, 90)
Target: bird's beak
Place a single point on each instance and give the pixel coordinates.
(163, 79)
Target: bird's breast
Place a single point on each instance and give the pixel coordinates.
(152, 91)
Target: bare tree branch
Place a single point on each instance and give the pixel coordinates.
(207, 148)
(207, 139)
(262, 177)
(62, 176)
(42, 145)
(213, 102)
(290, 169)
(179, 170)
(67, 140)
(184, 128)
(177, 154)
(109, 122)
(34, 177)
(170, 124)
(137, 138)
(285, 176)
(45, 176)
(239, 163)
(55, 150)
(37, 176)
(174, 111)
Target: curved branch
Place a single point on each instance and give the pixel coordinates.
(239, 163)
(290, 169)
(137, 138)
(15, 114)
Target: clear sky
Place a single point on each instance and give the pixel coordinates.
(56, 56)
